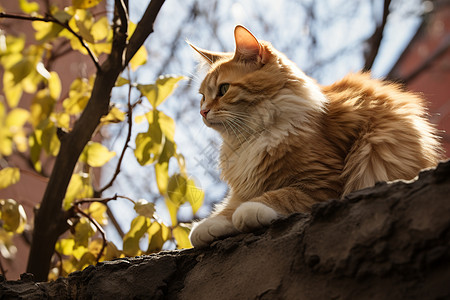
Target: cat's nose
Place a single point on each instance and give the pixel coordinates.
(204, 112)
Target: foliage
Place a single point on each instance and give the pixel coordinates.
(35, 132)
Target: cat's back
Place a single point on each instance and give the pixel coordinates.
(381, 129)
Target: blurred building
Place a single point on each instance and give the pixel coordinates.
(424, 66)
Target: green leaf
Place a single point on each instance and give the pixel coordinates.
(28, 7)
(144, 208)
(181, 235)
(54, 85)
(83, 231)
(96, 155)
(9, 176)
(139, 227)
(158, 92)
(13, 216)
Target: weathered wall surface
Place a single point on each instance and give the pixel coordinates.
(391, 241)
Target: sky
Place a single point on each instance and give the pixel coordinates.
(324, 38)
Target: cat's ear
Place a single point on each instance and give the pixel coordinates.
(210, 56)
(247, 46)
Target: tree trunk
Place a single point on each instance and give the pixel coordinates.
(391, 241)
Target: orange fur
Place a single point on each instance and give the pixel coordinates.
(289, 143)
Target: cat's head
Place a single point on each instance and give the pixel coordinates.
(254, 89)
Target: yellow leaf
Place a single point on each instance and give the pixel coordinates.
(162, 167)
(139, 58)
(176, 189)
(28, 7)
(167, 125)
(7, 248)
(16, 119)
(99, 48)
(99, 29)
(54, 85)
(158, 234)
(65, 246)
(173, 210)
(9, 176)
(115, 115)
(194, 195)
(62, 119)
(122, 81)
(96, 155)
(181, 235)
(13, 91)
(13, 216)
(149, 145)
(83, 231)
(79, 187)
(82, 4)
(79, 94)
(83, 21)
(144, 208)
(95, 246)
(139, 227)
(158, 92)
(140, 119)
(41, 107)
(50, 140)
(97, 211)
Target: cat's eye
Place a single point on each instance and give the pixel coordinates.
(223, 88)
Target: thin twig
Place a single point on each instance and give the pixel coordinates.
(125, 146)
(50, 18)
(99, 228)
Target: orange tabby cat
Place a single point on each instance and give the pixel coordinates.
(289, 143)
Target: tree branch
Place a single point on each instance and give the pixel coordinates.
(143, 29)
(374, 41)
(50, 18)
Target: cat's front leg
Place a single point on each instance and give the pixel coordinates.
(206, 231)
(253, 215)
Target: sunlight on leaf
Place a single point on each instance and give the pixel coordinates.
(158, 92)
(181, 235)
(79, 187)
(54, 85)
(97, 211)
(115, 115)
(158, 234)
(96, 155)
(139, 58)
(9, 176)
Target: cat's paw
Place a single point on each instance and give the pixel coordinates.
(252, 215)
(206, 231)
